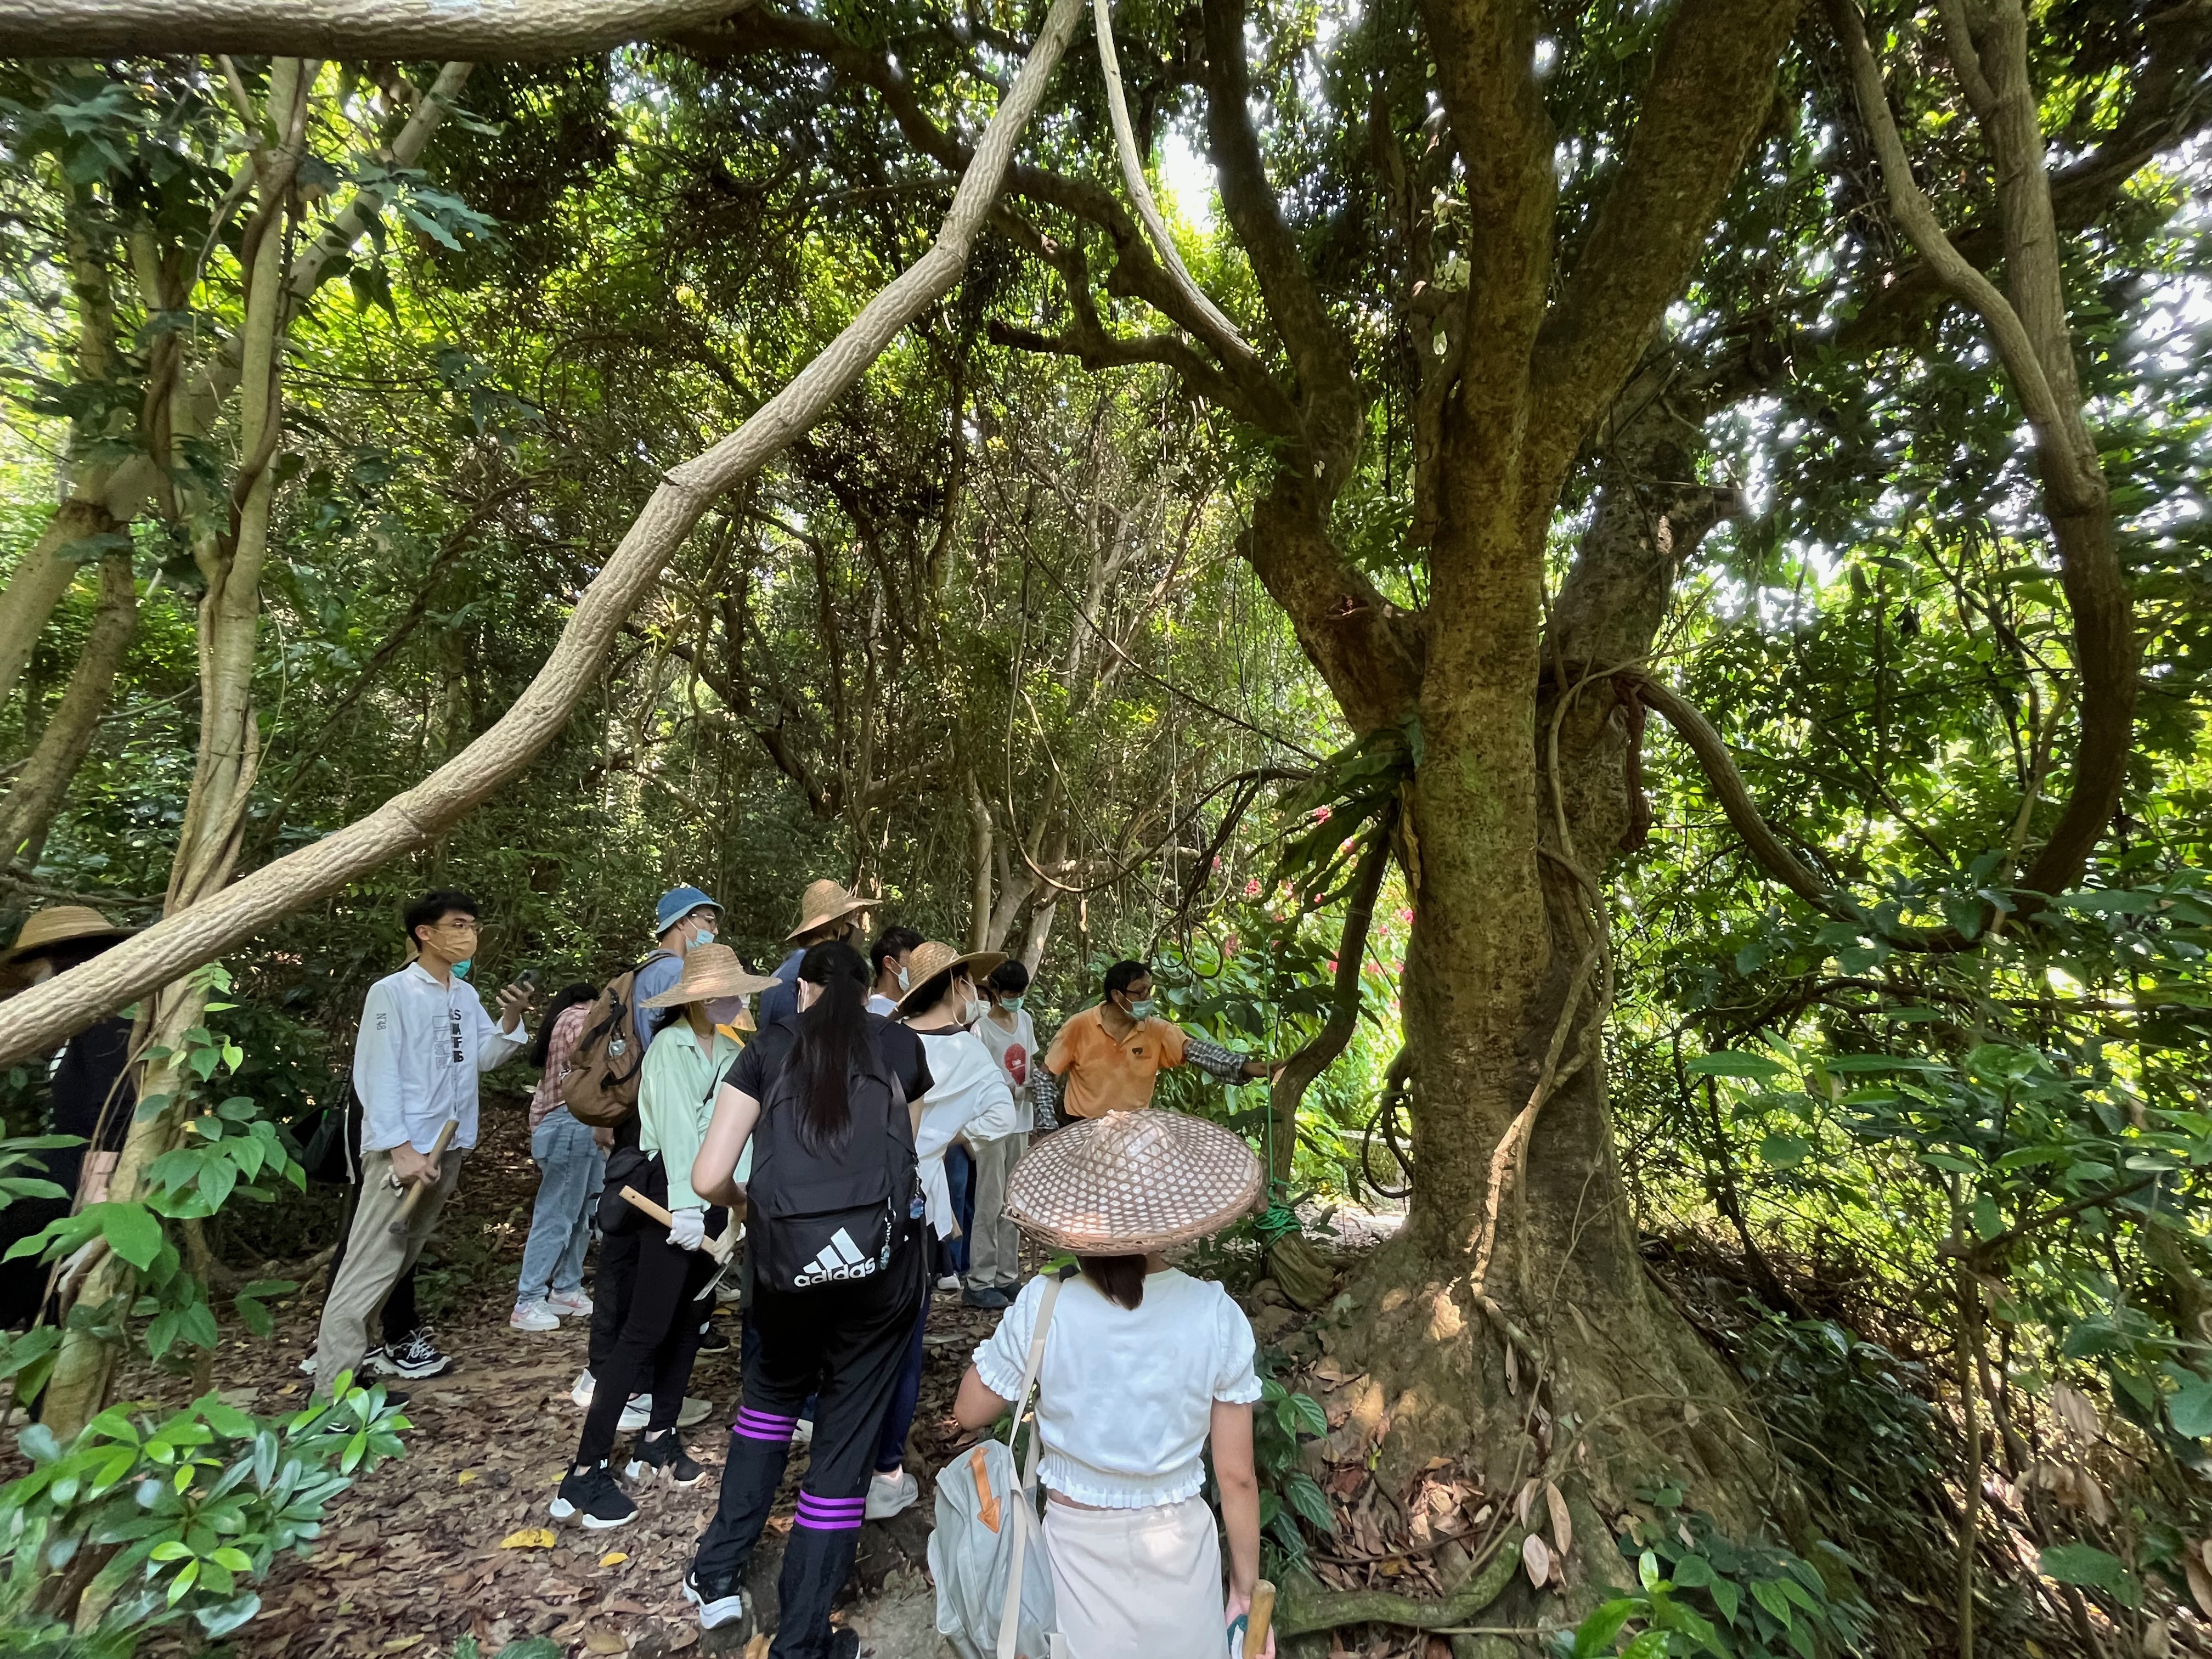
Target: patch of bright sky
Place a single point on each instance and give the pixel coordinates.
(1187, 176)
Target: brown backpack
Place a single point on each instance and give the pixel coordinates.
(599, 1087)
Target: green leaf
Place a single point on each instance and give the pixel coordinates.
(1732, 1062)
(132, 1231)
(1593, 1636)
(2189, 1408)
(1652, 1644)
(1767, 1593)
(2081, 1563)
(1784, 1151)
(1726, 1597)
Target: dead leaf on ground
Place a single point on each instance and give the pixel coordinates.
(685, 1637)
(613, 1558)
(1536, 1560)
(2200, 1584)
(528, 1538)
(1562, 1526)
(599, 1638)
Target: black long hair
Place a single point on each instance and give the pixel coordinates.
(581, 991)
(1120, 1278)
(833, 1041)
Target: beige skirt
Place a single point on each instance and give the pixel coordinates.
(1138, 1583)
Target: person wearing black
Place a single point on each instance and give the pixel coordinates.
(90, 1094)
(826, 1106)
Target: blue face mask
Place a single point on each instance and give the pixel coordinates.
(1011, 1004)
(461, 967)
(1142, 1010)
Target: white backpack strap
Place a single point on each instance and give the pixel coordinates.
(1024, 1512)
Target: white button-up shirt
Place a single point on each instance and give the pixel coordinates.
(421, 1047)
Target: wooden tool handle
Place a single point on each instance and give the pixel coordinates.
(1261, 1616)
(645, 1207)
(417, 1188)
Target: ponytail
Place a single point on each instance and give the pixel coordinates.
(833, 1041)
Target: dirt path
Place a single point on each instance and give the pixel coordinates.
(446, 1543)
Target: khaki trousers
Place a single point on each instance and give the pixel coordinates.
(375, 1256)
(994, 1244)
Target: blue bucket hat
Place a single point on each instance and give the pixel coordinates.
(678, 903)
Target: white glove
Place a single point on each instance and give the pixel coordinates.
(689, 1231)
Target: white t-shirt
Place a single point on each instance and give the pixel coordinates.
(880, 1004)
(968, 1095)
(1015, 1052)
(1125, 1396)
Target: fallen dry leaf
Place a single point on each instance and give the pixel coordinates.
(1562, 1526)
(528, 1538)
(613, 1558)
(1536, 1560)
(624, 1606)
(465, 1477)
(402, 1643)
(757, 1648)
(685, 1637)
(600, 1639)
(2200, 1584)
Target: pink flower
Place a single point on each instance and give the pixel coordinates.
(1230, 946)
(1404, 916)
(1320, 815)
(1331, 965)
(1252, 888)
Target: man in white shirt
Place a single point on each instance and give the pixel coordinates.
(424, 1040)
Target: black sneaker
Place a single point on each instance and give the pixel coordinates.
(662, 1455)
(417, 1357)
(719, 1603)
(712, 1339)
(844, 1644)
(590, 1496)
(989, 1297)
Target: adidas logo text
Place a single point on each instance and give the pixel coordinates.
(839, 1259)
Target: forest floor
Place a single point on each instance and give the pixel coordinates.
(453, 1538)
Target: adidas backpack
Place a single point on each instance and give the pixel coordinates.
(600, 1088)
(833, 1215)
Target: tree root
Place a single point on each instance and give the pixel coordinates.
(1302, 1607)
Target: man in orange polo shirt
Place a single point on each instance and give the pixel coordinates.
(1107, 1058)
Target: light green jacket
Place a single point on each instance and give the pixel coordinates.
(676, 1101)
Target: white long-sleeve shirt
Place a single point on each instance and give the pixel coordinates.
(968, 1095)
(421, 1047)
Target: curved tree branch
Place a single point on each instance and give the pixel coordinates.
(343, 28)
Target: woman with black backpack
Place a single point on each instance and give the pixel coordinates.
(826, 1107)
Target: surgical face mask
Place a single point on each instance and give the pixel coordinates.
(1011, 1004)
(1142, 1010)
(905, 979)
(461, 967)
(724, 1011)
(971, 1010)
(701, 929)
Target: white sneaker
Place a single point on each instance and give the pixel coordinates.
(570, 1304)
(802, 1432)
(949, 1282)
(581, 1393)
(533, 1317)
(888, 1497)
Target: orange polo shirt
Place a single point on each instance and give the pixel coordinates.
(1099, 1075)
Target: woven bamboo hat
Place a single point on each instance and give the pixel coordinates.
(823, 902)
(1131, 1182)
(710, 971)
(59, 925)
(933, 956)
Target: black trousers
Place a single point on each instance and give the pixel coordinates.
(611, 1291)
(846, 1344)
(660, 1340)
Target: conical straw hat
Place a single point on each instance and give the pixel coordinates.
(823, 902)
(58, 925)
(710, 971)
(1131, 1182)
(933, 956)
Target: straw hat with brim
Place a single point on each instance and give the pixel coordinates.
(62, 925)
(823, 902)
(932, 957)
(1132, 1181)
(710, 971)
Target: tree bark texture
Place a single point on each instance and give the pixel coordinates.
(502, 29)
(46, 1013)
(31, 805)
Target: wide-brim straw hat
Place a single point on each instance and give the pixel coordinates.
(1132, 1181)
(60, 924)
(710, 971)
(933, 956)
(823, 902)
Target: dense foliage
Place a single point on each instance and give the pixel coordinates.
(1924, 1159)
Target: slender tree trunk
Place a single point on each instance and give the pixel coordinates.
(44, 781)
(223, 777)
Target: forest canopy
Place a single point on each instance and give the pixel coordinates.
(1630, 588)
